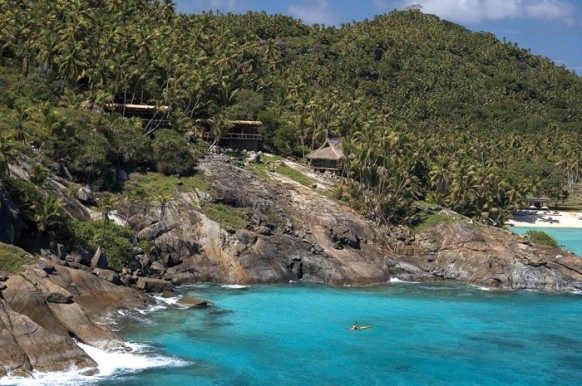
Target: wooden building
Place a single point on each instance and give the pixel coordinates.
(328, 157)
(152, 117)
(243, 135)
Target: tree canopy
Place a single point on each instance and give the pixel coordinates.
(426, 108)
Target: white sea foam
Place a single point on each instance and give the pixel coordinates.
(109, 364)
(197, 285)
(161, 299)
(486, 289)
(397, 280)
(234, 286)
(150, 309)
(139, 358)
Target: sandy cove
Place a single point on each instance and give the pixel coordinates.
(546, 218)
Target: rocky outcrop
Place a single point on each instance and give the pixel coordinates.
(54, 185)
(295, 232)
(99, 260)
(153, 285)
(492, 257)
(27, 346)
(190, 302)
(45, 306)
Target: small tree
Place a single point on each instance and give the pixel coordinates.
(172, 153)
(48, 213)
(106, 203)
(8, 153)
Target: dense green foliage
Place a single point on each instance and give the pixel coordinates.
(426, 109)
(114, 239)
(542, 238)
(172, 154)
(40, 211)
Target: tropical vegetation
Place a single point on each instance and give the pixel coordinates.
(426, 109)
(542, 238)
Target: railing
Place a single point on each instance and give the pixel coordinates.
(228, 136)
(243, 136)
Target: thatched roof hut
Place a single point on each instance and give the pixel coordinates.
(328, 157)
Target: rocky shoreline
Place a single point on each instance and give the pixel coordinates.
(297, 233)
(294, 232)
(47, 308)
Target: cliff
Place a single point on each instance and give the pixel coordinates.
(298, 232)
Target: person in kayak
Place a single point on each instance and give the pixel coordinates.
(355, 325)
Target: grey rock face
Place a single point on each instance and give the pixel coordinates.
(107, 274)
(99, 260)
(11, 223)
(492, 257)
(154, 285)
(47, 351)
(55, 297)
(39, 312)
(294, 232)
(194, 302)
(86, 195)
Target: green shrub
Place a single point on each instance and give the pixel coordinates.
(227, 216)
(130, 145)
(13, 259)
(155, 185)
(115, 240)
(295, 175)
(425, 221)
(172, 153)
(265, 164)
(25, 196)
(542, 238)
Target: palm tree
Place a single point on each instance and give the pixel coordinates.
(48, 212)
(105, 204)
(8, 153)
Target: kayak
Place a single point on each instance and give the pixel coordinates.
(359, 328)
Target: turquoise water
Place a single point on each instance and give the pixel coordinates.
(422, 334)
(569, 238)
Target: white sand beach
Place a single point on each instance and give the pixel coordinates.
(546, 218)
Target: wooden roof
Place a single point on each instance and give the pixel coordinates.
(234, 122)
(329, 151)
(134, 107)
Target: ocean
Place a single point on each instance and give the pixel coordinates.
(569, 238)
(296, 334)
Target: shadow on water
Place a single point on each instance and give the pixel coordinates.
(560, 342)
(402, 367)
(499, 341)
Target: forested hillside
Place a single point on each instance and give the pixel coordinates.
(426, 109)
